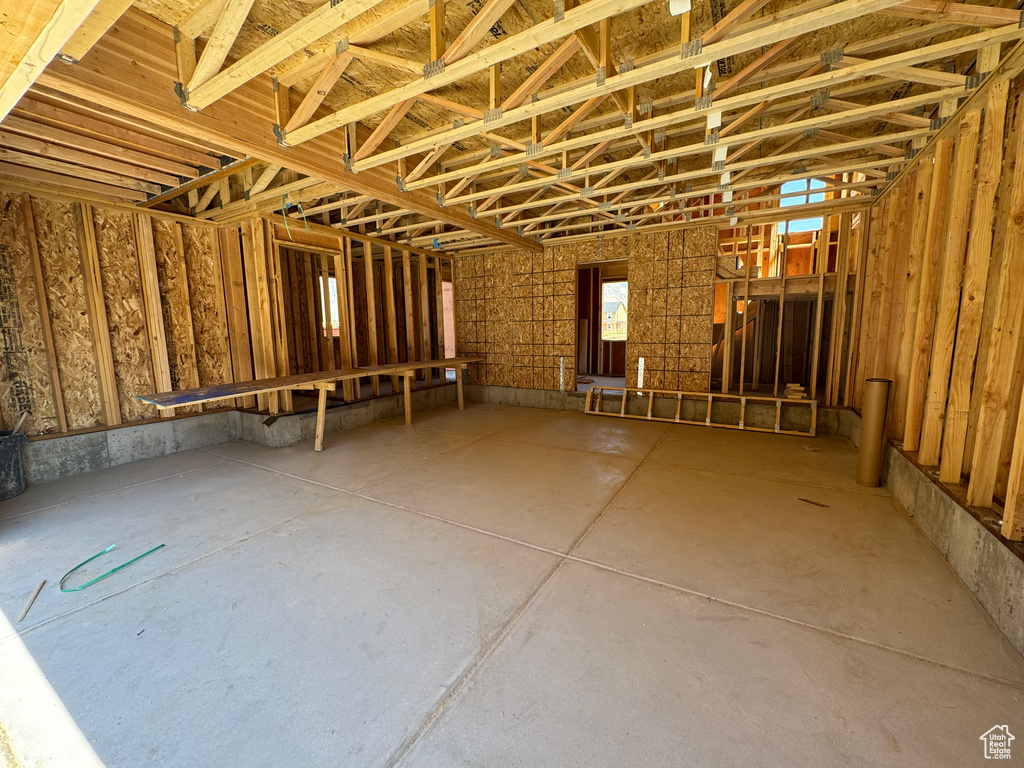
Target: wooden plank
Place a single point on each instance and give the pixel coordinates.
(310, 28)
(96, 307)
(859, 251)
(951, 276)
(234, 302)
(410, 328)
(328, 331)
(200, 395)
(424, 318)
(919, 229)
(439, 314)
(281, 352)
(105, 148)
(65, 155)
(728, 333)
(152, 306)
(371, 314)
(314, 337)
(975, 285)
(350, 287)
(938, 206)
(219, 44)
(341, 277)
(103, 17)
(38, 32)
(782, 308)
(1008, 294)
(390, 317)
(258, 298)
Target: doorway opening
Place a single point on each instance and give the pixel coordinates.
(602, 324)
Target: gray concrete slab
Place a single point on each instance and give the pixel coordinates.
(536, 494)
(325, 641)
(360, 457)
(193, 514)
(80, 486)
(606, 670)
(857, 566)
(619, 437)
(827, 460)
(705, 617)
(479, 419)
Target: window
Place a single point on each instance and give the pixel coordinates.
(332, 292)
(614, 299)
(803, 185)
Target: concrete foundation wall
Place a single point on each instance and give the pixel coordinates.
(57, 457)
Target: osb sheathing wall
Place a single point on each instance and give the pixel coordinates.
(75, 332)
(518, 310)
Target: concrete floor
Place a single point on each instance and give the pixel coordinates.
(499, 587)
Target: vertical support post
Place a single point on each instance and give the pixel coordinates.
(341, 280)
(746, 312)
(321, 417)
(728, 336)
(410, 330)
(371, 313)
(782, 308)
(950, 279)
(975, 286)
(391, 320)
(458, 385)
(407, 395)
(921, 351)
(97, 311)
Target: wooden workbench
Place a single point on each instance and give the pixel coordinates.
(323, 382)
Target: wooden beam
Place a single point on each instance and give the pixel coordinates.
(938, 202)
(330, 75)
(975, 286)
(542, 74)
(321, 22)
(950, 280)
(225, 30)
(31, 38)
(476, 30)
(371, 313)
(103, 17)
(671, 66)
(390, 317)
(201, 18)
(62, 155)
(96, 308)
(1008, 294)
(437, 32)
(410, 327)
(383, 130)
(968, 14)
(535, 36)
(152, 306)
(233, 281)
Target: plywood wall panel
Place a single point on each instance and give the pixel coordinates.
(206, 302)
(24, 369)
(518, 310)
(73, 345)
(174, 296)
(126, 320)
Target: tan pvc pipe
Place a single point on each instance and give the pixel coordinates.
(872, 431)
